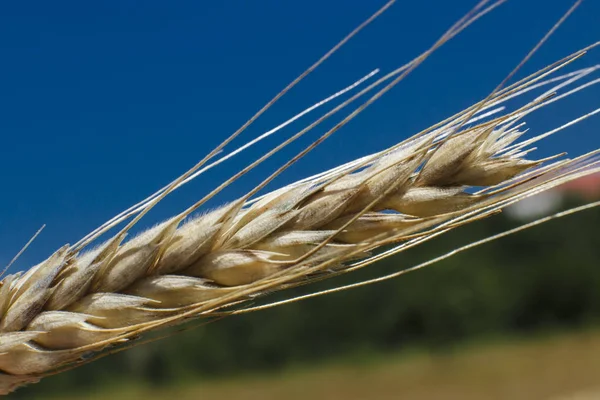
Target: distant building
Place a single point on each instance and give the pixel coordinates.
(587, 188)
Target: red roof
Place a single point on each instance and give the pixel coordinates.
(587, 187)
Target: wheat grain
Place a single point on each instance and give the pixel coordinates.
(77, 302)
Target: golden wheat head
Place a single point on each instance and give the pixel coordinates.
(83, 299)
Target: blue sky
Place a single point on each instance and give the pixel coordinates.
(104, 102)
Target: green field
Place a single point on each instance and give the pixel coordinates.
(559, 367)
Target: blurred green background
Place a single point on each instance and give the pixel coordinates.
(512, 319)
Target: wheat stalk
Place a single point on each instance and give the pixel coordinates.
(80, 301)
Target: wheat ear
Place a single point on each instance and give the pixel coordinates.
(76, 302)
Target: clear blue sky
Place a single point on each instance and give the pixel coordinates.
(104, 102)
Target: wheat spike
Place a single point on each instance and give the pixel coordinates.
(467, 167)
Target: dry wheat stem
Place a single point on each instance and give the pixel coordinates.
(77, 302)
